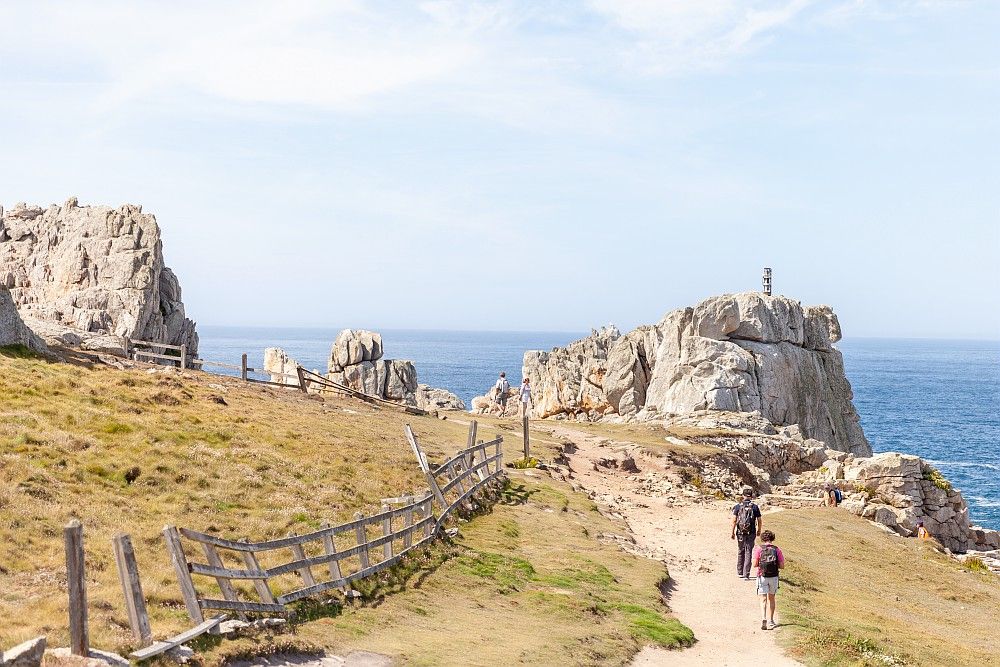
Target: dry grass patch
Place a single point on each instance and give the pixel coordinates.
(857, 596)
(129, 451)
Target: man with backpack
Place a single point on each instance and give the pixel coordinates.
(502, 388)
(745, 529)
(769, 561)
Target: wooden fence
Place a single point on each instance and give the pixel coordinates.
(301, 379)
(265, 577)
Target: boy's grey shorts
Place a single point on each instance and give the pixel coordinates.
(767, 585)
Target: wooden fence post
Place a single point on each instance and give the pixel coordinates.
(79, 639)
(302, 378)
(184, 354)
(300, 554)
(243, 371)
(386, 531)
(527, 446)
(361, 534)
(331, 549)
(422, 462)
(128, 575)
(183, 574)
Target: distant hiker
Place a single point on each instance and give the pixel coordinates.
(832, 495)
(502, 388)
(922, 533)
(768, 560)
(525, 393)
(746, 526)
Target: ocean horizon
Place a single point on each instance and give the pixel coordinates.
(936, 398)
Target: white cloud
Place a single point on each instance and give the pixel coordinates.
(682, 35)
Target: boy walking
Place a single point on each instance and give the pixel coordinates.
(746, 527)
(768, 560)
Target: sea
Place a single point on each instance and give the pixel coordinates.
(939, 399)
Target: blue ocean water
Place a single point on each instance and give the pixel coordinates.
(938, 399)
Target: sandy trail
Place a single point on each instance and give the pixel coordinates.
(692, 535)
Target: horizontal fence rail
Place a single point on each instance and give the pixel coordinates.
(264, 577)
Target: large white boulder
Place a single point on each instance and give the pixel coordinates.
(354, 346)
(95, 269)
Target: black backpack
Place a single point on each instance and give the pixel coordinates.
(768, 561)
(745, 519)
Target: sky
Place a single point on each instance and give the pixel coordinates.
(527, 165)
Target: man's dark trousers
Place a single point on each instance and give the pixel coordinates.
(744, 558)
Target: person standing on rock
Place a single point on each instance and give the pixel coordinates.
(768, 560)
(502, 388)
(525, 396)
(746, 527)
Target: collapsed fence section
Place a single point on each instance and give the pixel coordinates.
(265, 577)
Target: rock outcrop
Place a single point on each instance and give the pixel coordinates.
(282, 368)
(744, 352)
(890, 489)
(430, 398)
(92, 270)
(13, 331)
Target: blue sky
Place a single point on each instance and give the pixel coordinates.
(527, 165)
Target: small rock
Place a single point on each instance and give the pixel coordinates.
(28, 654)
(232, 626)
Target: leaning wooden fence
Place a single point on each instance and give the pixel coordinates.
(265, 577)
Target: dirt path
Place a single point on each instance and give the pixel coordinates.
(691, 534)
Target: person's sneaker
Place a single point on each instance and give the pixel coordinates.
(763, 624)
(771, 625)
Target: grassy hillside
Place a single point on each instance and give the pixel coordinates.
(215, 454)
(854, 595)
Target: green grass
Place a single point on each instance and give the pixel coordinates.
(853, 595)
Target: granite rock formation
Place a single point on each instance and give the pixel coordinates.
(13, 331)
(431, 398)
(283, 369)
(737, 352)
(892, 490)
(92, 270)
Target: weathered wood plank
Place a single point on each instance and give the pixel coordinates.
(160, 647)
(128, 576)
(76, 578)
(260, 585)
(150, 343)
(362, 537)
(408, 525)
(422, 461)
(226, 573)
(304, 571)
(331, 550)
(387, 532)
(180, 564)
(154, 355)
(215, 560)
(527, 442)
(229, 605)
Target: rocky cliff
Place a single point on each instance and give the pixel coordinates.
(92, 269)
(12, 330)
(744, 352)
